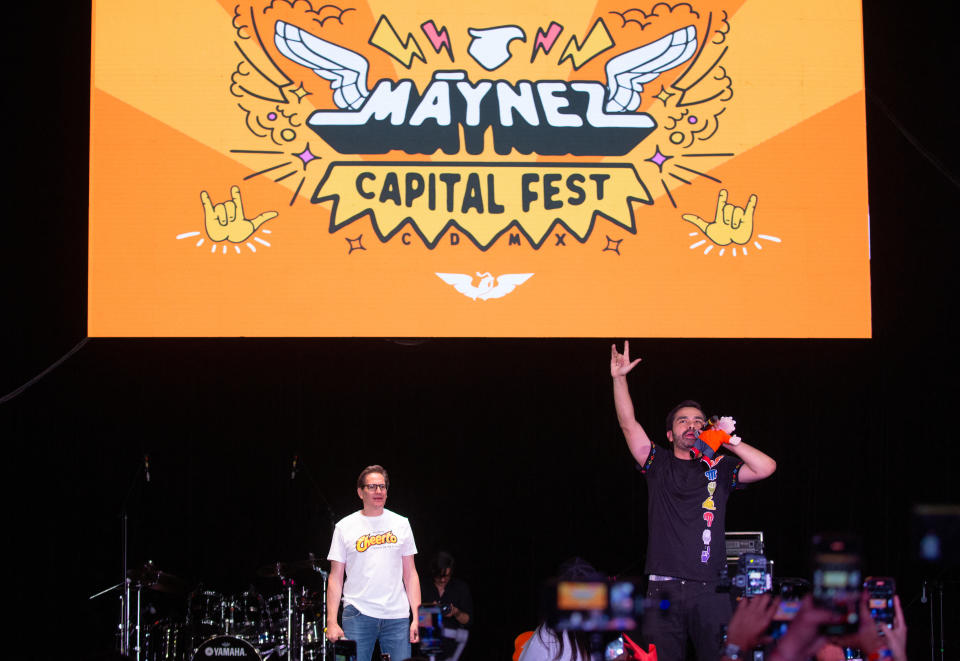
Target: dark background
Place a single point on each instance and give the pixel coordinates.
(505, 452)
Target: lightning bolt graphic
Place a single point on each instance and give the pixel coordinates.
(386, 39)
(596, 42)
(545, 40)
(437, 39)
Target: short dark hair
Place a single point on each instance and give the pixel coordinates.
(682, 405)
(376, 468)
(440, 561)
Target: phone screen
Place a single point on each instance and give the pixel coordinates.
(786, 611)
(880, 591)
(837, 582)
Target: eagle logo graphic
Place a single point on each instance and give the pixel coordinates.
(489, 286)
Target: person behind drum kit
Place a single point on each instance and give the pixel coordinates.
(375, 548)
(453, 597)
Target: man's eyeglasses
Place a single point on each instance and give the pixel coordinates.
(375, 487)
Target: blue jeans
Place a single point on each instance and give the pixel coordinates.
(394, 635)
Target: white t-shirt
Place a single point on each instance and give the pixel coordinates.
(372, 548)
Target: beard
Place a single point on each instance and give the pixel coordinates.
(685, 442)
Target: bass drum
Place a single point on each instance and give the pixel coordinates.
(226, 647)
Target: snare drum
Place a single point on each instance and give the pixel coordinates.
(228, 647)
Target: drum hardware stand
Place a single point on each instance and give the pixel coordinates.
(323, 628)
(303, 627)
(125, 599)
(933, 591)
(289, 619)
(137, 629)
(297, 465)
(125, 585)
(321, 631)
(125, 603)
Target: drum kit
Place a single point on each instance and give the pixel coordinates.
(287, 624)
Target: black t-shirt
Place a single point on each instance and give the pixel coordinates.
(686, 512)
(457, 593)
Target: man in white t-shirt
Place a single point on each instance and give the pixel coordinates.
(375, 548)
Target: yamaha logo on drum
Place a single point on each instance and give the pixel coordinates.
(226, 646)
(226, 650)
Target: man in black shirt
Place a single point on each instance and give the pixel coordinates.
(453, 595)
(686, 514)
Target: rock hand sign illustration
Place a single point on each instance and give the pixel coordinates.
(732, 224)
(226, 221)
(402, 154)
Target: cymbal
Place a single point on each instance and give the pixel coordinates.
(148, 576)
(285, 569)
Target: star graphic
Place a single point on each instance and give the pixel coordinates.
(355, 244)
(306, 155)
(658, 158)
(612, 246)
(300, 92)
(663, 95)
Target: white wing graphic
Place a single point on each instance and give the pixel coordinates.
(345, 69)
(506, 283)
(626, 73)
(463, 283)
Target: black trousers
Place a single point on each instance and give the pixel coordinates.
(681, 610)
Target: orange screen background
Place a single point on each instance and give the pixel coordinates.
(186, 99)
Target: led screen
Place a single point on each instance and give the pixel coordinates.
(525, 169)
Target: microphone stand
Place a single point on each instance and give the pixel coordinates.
(297, 465)
(316, 487)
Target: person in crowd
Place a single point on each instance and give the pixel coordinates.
(547, 644)
(804, 638)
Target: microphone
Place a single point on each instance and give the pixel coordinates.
(293, 469)
(923, 596)
(146, 466)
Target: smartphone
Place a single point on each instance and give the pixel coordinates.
(880, 591)
(791, 594)
(345, 650)
(837, 581)
(601, 605)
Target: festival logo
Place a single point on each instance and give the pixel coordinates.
(487, 134)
